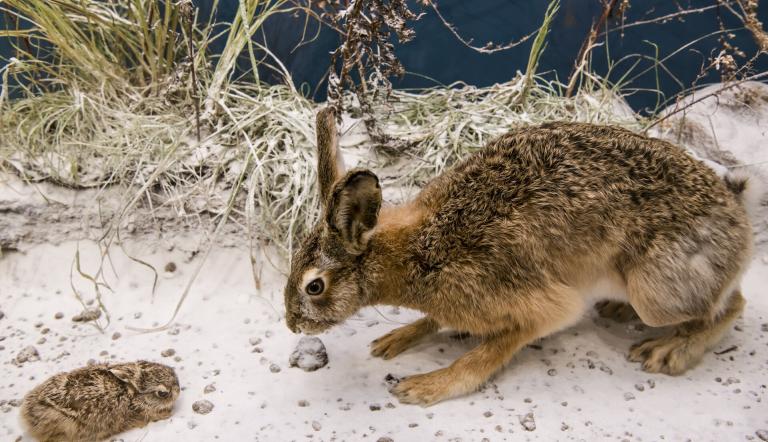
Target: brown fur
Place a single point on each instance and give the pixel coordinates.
(99, 401)
(510, 243)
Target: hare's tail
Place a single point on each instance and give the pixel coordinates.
(749, 190)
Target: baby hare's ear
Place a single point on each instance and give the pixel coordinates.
(128, 373)
(330, 165)
(353, 208)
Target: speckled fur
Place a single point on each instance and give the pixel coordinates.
(99, 401)
(507, 245)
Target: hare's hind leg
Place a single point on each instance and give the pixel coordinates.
(403, 338)
(676, 353)
(689, 281)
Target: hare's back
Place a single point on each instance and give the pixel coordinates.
(566, 187)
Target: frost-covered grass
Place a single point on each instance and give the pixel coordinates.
(130, 118)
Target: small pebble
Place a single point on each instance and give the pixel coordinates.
(170, 267)
(254, 341)
(629, 396)
(552, 372)
(391, 380)
(385, 439)
(210, 388)
(202, 407)
(639, 387)
(28, 354)
(58, 315)
(374, 407)
(527, 421)
(488, 414)
(762, 435)
(116, 336)
(87, 315)
(316, 426)
(167, 353)
(274, 368)
(303, 403)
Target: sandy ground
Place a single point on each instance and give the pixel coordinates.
(576, 384)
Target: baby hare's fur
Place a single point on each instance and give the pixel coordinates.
(99, 401)
(517, 240)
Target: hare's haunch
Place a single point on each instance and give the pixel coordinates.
(517, 240)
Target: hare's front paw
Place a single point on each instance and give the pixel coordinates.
(424, 389)
(403, 338)
(393, 343)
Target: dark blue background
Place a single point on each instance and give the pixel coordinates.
(435, 52)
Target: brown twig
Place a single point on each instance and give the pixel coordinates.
(727, 350)
(488, 48)
(725, 87)
(587, 46)
(188, 15)
(662, 19)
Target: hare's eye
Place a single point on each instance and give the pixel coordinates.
(162, 394)
(315, 287)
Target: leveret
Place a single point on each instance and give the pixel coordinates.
(99, 401)
(516, 241)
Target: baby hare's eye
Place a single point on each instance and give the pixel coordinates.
(315, 287)
(162, 394)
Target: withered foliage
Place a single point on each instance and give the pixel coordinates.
(365, 61)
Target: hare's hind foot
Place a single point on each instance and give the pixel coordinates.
(677, 353)
(403, 338)
(616, 310)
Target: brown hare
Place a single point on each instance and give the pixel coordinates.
(99, 401)
(517, 240)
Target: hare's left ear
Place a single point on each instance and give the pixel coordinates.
(353, 208)
(330, 165)
(128, 373)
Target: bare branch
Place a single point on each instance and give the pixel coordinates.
(488, 48)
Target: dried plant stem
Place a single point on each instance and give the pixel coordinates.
(488, 48)
(586, 47)
(716, 93)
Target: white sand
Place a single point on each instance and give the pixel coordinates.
(578, 385)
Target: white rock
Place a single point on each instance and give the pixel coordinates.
(309, 355)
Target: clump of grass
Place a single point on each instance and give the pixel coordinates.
(258, 149)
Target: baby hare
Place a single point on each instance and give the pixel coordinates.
(517, 240)
(98, 401)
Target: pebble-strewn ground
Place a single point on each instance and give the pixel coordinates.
(231, 351)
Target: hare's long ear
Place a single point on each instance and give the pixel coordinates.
(128, 373)
(330, 165)
(353, 208)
